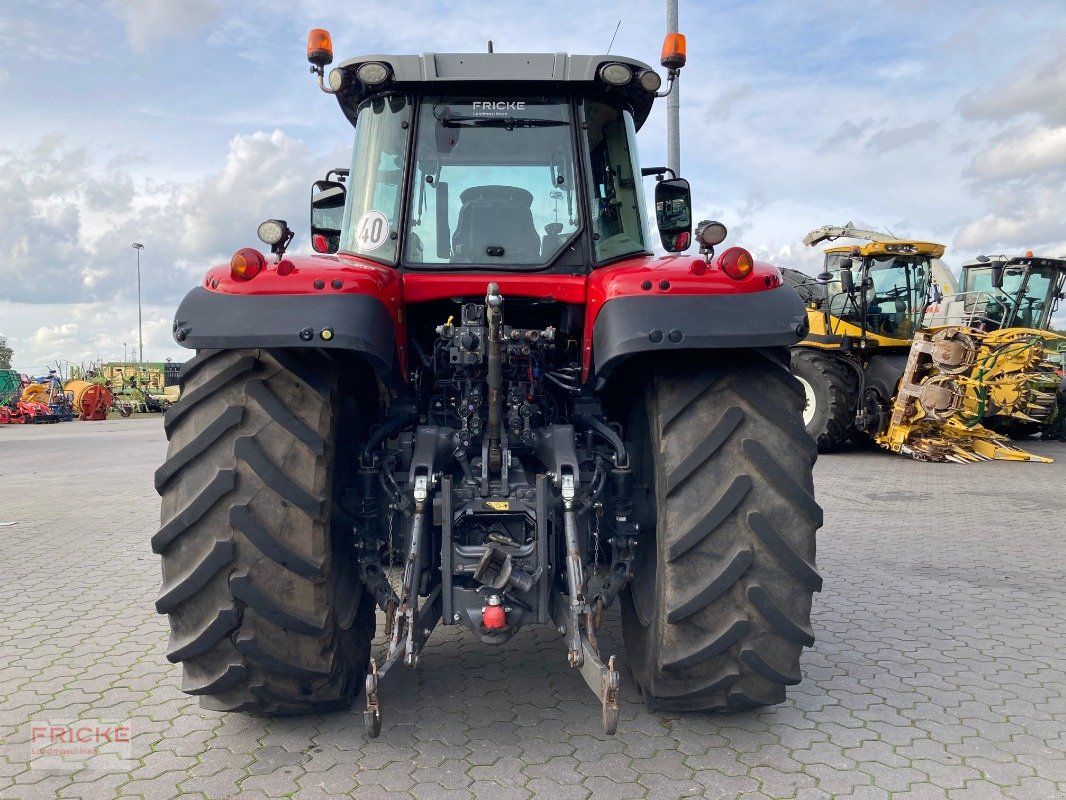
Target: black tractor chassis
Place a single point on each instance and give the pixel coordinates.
(500, 517)
(548, 505)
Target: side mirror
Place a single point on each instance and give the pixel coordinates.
(997, 275)
(673, 214)
(327, 212)
(847, 280)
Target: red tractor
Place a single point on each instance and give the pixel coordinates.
(489, 383)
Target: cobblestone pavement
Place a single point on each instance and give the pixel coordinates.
(938, 670)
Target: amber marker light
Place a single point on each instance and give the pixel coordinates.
(673, 55)
(736, 262)
(319, 47)
(247, 263)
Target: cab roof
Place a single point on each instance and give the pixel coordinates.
(892, 247)
(1033, 261)
(496, 73)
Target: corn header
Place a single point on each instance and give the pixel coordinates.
(957, 378)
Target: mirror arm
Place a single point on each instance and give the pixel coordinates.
(658, 172)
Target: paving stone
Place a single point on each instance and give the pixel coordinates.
(937, 671)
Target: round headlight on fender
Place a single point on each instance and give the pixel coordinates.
(272, 231)
(710, 233)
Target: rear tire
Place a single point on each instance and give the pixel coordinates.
(719, 608)
(831, 397)
(267, 614)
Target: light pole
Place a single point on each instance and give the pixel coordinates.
(125, 358)
(140, 333)
(673, 104)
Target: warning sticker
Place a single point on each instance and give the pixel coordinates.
(372, 230)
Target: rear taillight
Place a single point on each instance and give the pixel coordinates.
(736, 262)
(247, 263)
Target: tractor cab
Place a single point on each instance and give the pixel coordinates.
(1017, 292)
(493, 161)
(880, 289)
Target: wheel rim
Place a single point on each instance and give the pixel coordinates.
(809, 401)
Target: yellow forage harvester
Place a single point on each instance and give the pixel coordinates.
(956, 378)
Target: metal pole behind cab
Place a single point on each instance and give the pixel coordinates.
(140, 327)
(673, 103)
(140, 335)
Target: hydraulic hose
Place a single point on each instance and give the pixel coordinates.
(494, 313)
(594, 423)
(393, 424)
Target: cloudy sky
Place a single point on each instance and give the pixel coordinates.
(184, 123)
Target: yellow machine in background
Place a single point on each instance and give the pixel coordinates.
(956, 377)
(869, 366)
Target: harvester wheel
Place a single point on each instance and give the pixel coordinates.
(830, 390)
(719, 608)
(267, 613)
(1013, 428)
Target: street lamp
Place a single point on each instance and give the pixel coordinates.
(140, 333)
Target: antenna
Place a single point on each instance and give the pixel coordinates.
(490, 45)
(616, 27)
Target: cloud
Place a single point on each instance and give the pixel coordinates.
(46, 334)
(265, 175)
(900, 69)
(893, 138)
(1035, 88)
(1017, 173)
(149, 21)
(81, 333)
(1019, 218)
(1038, 153)
(66, 222)
(848, 132)
(728, 101)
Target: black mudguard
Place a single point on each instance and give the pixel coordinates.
(636, 324)
(883, 372)
(355, 322)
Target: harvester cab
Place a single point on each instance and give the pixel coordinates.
(1006, 292)
(876, 294)
(486, 402)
